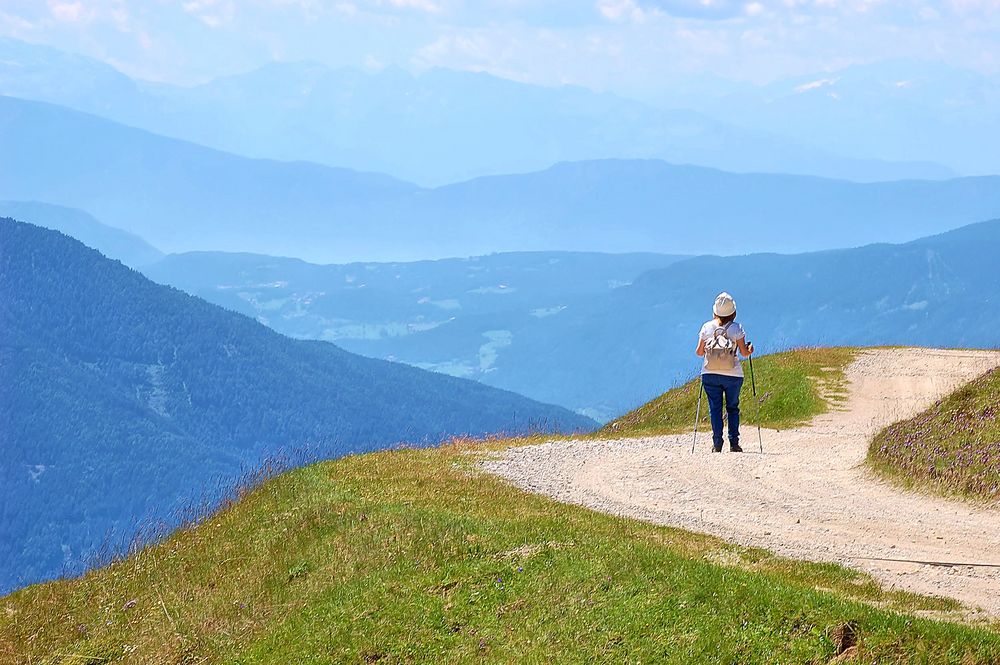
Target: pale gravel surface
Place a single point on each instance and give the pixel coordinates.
(807, 496)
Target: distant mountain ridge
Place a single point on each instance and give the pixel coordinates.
(455, 316)
(438, 127)
(174, 193)
(123, 401)
(129, 248)
(602, 350)
(895, 109)
(181, 197)
(937, 291)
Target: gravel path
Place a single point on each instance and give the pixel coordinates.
(807, 496)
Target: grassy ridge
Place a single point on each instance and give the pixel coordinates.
(793, 386)
(413, 556)
(952, 448)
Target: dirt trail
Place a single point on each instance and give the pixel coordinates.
(807, 496)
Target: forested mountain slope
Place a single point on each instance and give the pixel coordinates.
(124, 401)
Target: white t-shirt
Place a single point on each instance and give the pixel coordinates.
(734, 332)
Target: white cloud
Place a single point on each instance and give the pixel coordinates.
(428, 6)
(622, 10)
(213, 13)
(626, 45)
(467, 47)
(68, 12)
(815, 85)
(373, 64)
(16, 24)
(422, 5)
(967, 6)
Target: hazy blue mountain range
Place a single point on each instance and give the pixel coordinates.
(439, 127)
(128, 248)
(123, 401)
(178, 195)
(34, 71)
(938, 291)
(478, 302)
(572, 333)
(181, 197)
(895, 110)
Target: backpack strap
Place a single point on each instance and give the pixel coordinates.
(730, 344)
(724, 329)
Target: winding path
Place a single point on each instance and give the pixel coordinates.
(807, 496)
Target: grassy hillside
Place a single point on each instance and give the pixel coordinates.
(412, 556)
(793, 386)
(951, 448)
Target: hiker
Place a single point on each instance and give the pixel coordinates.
(722, 373)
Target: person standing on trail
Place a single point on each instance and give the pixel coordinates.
(722, 373)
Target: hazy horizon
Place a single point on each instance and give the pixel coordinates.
(629, 46)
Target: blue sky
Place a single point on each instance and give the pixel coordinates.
(623, 45)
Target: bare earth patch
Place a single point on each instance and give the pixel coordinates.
(808, 496)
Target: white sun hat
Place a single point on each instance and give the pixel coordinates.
(724, 305)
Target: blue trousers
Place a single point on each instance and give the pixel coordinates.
(717, 386)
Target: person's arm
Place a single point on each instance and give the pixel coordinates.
(700, 350)
(745, 349)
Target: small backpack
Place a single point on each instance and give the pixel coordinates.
(720, 351)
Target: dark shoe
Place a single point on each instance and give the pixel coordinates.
(735, 448)
(716, 449)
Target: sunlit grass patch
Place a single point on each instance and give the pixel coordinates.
(410, 556)
(952, 448)
(792, 387)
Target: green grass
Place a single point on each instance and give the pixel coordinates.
(413, 556)
(792, 387)
(952, 448)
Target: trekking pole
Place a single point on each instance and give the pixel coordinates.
(753, 385)
(697, 415)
